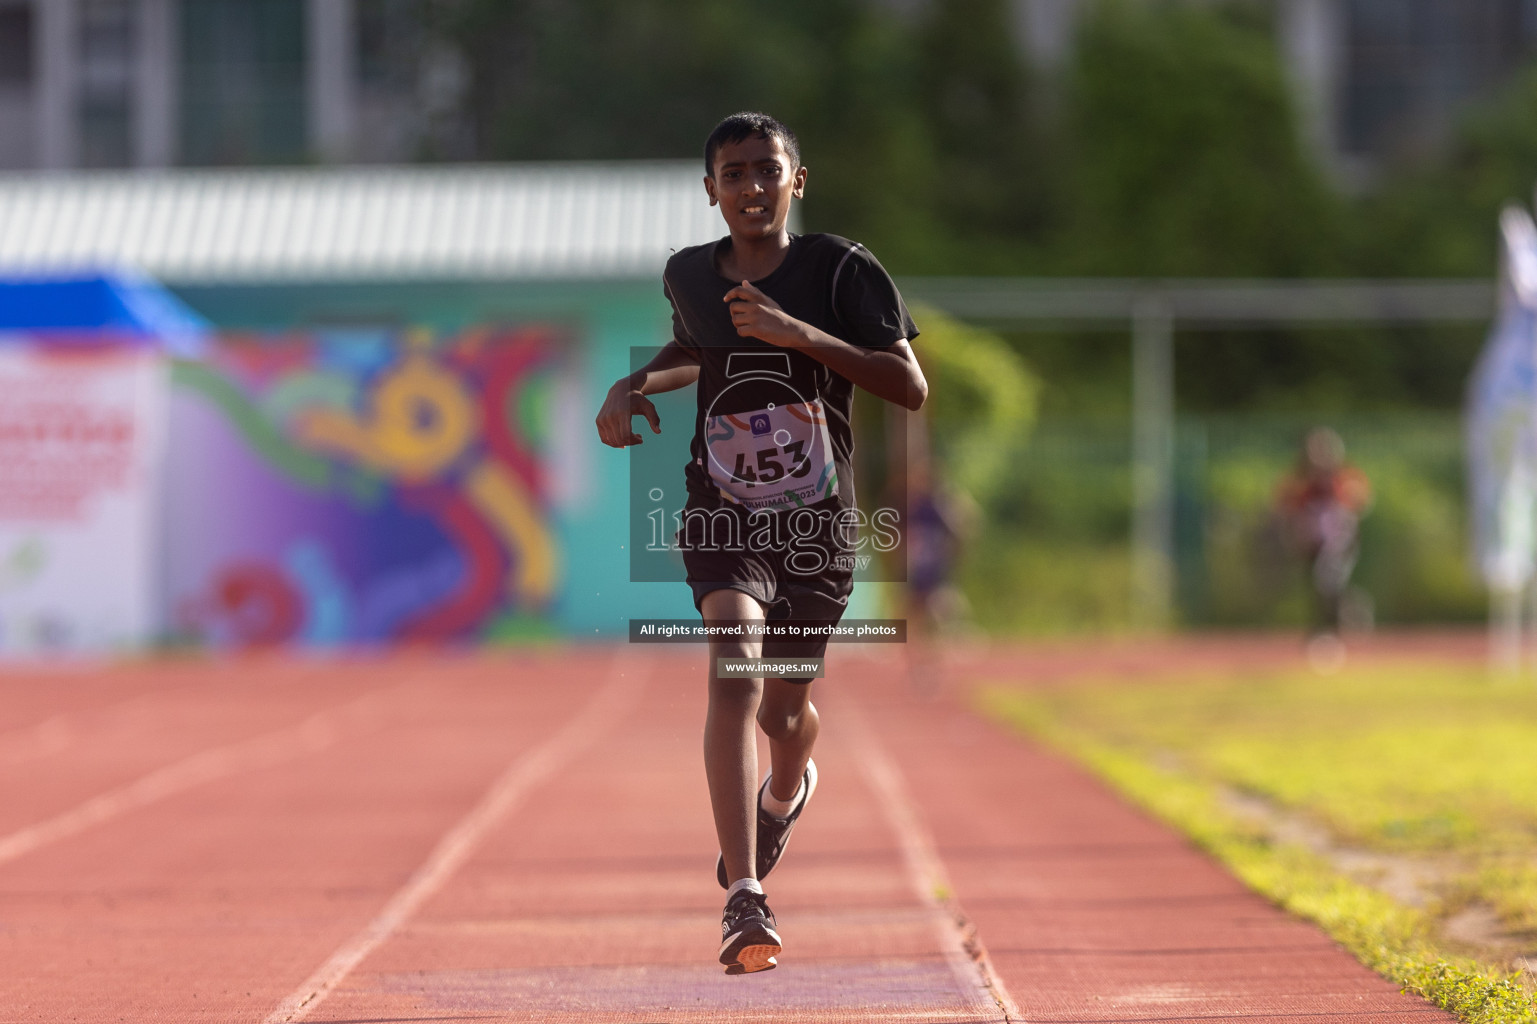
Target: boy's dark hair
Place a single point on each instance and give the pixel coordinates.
(747, 125)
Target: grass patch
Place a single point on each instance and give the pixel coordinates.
(1424, 763)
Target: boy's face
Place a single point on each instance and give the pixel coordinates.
(753, 184)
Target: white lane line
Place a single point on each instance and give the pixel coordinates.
(61, 731)
(49, 736)
(104, 723)
(958, 937)
(600, 712)
(310, 736)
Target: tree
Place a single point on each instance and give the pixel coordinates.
(628, 79)
(990, 181)
(1183, 152)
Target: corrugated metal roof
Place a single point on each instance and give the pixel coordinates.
(508, 221)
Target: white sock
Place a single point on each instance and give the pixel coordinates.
(750, 884)
(780, 808)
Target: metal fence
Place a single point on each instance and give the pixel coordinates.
(1172, 505)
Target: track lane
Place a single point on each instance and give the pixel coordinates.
(309, 736)
(213, 904)
(963, 947)
(597, 902)
(530, 769)
(1091, 910)
(79, 754)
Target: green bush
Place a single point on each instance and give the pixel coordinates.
(1183, 153)
(1414, 549)
(1017, 584)
(1054, 556)
(982, 401)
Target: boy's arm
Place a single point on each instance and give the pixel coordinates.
(890, 373)
(670, 369)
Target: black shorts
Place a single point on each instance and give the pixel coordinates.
(794, 563)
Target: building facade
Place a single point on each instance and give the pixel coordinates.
(159, 83)
(1375, 80)
(1379, 80)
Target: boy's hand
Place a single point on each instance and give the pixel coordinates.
(755, 315)
(614, 419)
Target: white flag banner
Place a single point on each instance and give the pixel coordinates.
(1502, 418)
(81, 448)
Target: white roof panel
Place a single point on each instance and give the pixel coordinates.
(509, 221)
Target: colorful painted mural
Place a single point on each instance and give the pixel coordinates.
(362, 486)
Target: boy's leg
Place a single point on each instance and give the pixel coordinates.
(787, 716)
(730, 747)
(790, 721)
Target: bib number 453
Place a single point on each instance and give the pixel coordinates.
(769, 469)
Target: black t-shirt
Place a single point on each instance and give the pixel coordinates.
(772, 430)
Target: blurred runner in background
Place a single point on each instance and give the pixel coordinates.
(939, 520)
(1320, 504)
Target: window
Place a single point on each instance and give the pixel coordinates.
(15, 45)
(106, 40)
(243, 84)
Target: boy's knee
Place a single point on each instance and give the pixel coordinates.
(735, 650)
(726, 690)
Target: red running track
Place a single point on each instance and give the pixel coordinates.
(526, 837)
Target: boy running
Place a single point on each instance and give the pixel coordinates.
(776, 329)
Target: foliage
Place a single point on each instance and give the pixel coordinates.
(1171, 146)
(1413, 553)
(1183, 151)
(918, 131)
(990, 175)
(602, 79)
(1018, 583)
(1506, 883)
(1354, 752)
(1168, 146)
(982, 399)
(1060, 517)
(1053, 555)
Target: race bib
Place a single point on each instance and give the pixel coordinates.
(773, 458)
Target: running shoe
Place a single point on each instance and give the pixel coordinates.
(773, 833)
(749, 942)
